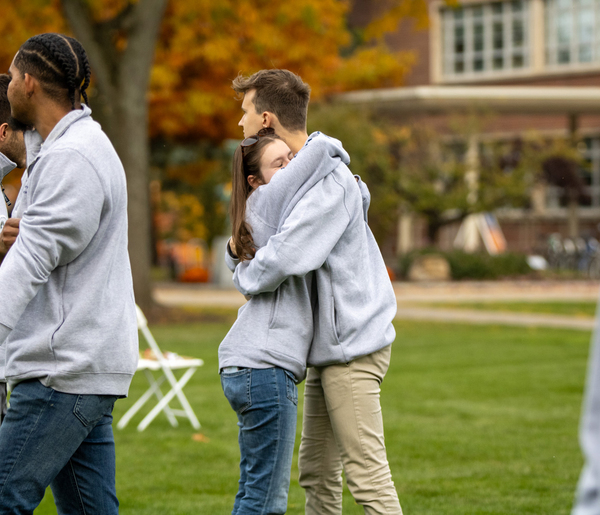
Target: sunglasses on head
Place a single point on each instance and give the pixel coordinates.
(253, 140)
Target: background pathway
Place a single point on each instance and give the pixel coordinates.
(411, 295)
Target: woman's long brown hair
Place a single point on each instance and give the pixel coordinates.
(244, 165)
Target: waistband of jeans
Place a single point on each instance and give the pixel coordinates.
(230, 370)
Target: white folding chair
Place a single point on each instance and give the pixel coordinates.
(165, 366)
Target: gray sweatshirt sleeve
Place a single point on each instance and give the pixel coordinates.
(365, 196)
(305, 241)
(66, 200)
(321, 155)
(230, 261)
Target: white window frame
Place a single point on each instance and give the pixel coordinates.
(537, 40)
(447, 24)
(554, 13)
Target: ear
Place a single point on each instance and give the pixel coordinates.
(268, 119)
(31, 84)
(254, 181)
(3, 132)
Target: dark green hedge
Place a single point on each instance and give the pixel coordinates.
(474, 266)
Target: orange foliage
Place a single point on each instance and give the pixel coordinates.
(21, 20)
(204, 44)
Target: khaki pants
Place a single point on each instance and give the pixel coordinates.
(342, 427)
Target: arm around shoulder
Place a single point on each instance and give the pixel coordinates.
(306, 239)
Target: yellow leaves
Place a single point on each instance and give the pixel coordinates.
(373, 67)
(107, 9)
(179, 217)
(200, 102)
(24, 19)
(206, 44)
(163, 76)
(388, 22)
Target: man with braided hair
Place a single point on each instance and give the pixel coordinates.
(69, 323)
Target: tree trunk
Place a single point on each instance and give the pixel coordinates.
(121, 106)
(433, 230)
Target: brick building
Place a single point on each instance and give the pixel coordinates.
(534, 63)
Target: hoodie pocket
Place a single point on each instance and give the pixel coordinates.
(334, 322)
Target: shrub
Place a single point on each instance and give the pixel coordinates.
(474, 266)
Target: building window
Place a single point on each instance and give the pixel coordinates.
(572, 32)
(485, 38)
(591, 170)
(590, 176)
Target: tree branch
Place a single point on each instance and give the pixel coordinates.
(146, 17)
(96, 43)
(122, 21)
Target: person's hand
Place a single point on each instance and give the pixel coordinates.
(9, 234)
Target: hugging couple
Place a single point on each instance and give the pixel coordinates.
(319, 296)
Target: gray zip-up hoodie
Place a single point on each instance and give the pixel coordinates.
(326, 232)
(68, 309)
(265, 334)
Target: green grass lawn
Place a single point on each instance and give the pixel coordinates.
(578, 309)
(478, 420)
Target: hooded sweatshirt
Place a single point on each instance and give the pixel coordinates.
(275, 329)
(326, 233)
(6, 166)
(69, 317)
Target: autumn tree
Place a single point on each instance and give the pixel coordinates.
(439, 182)
(178, 58)
(417, 169)
(119, 37)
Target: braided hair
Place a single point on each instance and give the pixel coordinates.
(58, 62)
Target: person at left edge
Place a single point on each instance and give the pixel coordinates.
(69, 320)
(12, 155)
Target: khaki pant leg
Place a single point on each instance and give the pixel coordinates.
(352, 398)
(319, 460)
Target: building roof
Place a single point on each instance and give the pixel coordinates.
(505, 99)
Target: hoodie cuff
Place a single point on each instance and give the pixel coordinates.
(231, 254)
(231, 260)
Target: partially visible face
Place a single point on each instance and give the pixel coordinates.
(14, 147)
(276, 156)
(17, 96)
(251, 121)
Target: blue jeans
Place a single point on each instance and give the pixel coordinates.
(266, 403)
(61, 440)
